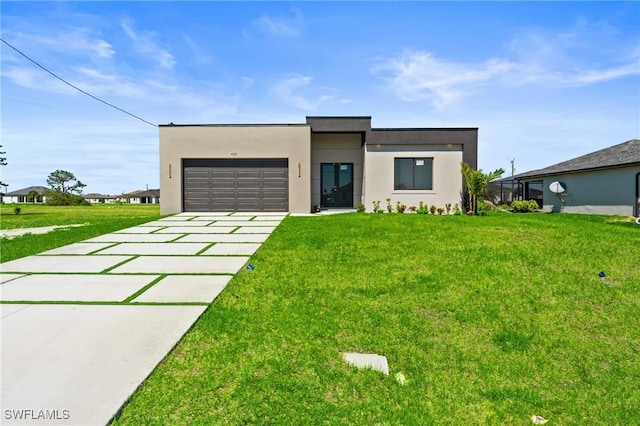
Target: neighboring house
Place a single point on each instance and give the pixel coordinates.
(334, 162)
(22, 195)
(99, 198)
(150, 196)
(602, 182)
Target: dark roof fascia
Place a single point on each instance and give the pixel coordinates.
(423, 129)
(534, 174)
(237, 125)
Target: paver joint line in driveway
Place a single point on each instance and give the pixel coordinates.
(136, 292)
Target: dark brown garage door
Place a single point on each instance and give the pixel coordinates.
(236, 185)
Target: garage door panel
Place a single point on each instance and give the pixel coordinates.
(236, 185)
(249, 184)
(249, 174)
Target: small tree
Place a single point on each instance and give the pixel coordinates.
(65, 182)
(3, 162)
(477, 182)
(65, 189)
(33, 196)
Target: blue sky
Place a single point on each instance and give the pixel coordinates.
(544, 82)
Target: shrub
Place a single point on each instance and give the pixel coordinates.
(400, 208)
(376, 207)
(413, 209)
(432, 209)
(422, 209)
(482, 208)
(440, 211)
(389, 206)
(57, 198)
(524, 206)
(448, 207)
(17, 210)
(360, 208)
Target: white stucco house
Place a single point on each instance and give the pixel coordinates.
(22, 195)
(333, 162)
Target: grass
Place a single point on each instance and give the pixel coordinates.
(491, 319)
(97, 219)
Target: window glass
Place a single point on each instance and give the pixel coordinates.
(413, 173)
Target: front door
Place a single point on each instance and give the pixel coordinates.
(336, 185)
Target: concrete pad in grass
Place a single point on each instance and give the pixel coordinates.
(83, 360)
(368, 361)
(229, 218)
(71, 264)
(197, 230)
(268, 218)
(203, 214)
(4, 278)
(255, 230)
(183, 223)
(183, 265)
(227, 238)
(78, 248)
(185, 289)
(232, 249)
(238, 223)
(85, 288)
(258, 214)
(155, 248)
(139, 230)
(134, 238)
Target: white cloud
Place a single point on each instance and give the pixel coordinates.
(583, 54)
(418, 75)
(144, 44)
(290, 91)
(281, 26)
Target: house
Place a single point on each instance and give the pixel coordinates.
(23, 195)
(333, 162)
(96, 198)
(602, 182)
(150, 196)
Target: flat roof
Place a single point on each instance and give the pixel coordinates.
(237, 125)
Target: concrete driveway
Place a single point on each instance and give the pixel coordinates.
(83, 325)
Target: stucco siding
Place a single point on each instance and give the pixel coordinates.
(336, 148)
(447, 180)
(609, 192)
(235, 142)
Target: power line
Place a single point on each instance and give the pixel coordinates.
(77, 88)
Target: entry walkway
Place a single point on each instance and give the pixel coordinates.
(83, 325)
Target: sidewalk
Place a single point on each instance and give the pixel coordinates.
(83, 325)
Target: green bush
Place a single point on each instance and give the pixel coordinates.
(524, 206)
(55, 198)
(17, 210)
(423, 209)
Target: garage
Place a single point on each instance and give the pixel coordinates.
(211, 185)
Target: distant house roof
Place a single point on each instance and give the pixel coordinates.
(147, 193)
(97, 196)
(25, 191)
(621, 155)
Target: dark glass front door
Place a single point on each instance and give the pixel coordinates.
(336, 185)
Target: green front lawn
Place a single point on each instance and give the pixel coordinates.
(97, 219)
(491, 319)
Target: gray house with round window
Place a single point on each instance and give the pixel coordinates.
(331, 162)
